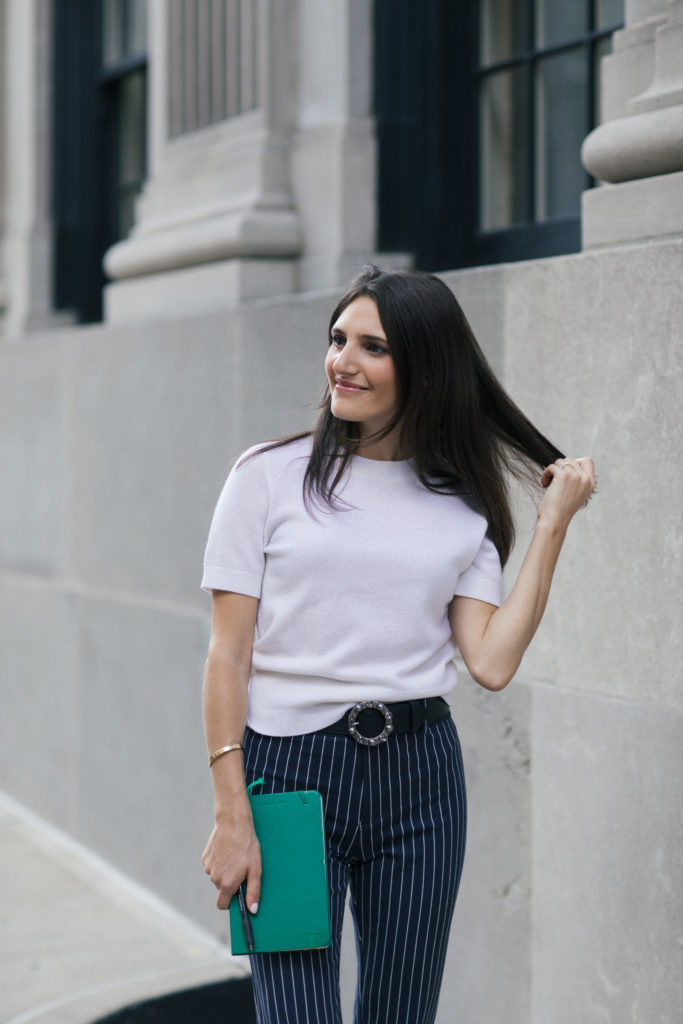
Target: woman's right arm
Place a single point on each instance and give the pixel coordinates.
(232, 853)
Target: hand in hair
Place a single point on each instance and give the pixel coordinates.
(570, 484)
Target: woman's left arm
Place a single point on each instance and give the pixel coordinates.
(491, 640)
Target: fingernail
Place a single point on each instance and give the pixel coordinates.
(254, 908)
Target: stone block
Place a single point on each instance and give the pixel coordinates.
(628, 70)
(487, 976)
(198, 289)
(144, 791)
(33, 459)
(40, 696)
(481, 293)
(593, 357)
(632, 211)
(607, 871)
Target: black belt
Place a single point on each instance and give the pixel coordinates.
(363, 720)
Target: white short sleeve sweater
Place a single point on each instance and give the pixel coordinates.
(353, 602)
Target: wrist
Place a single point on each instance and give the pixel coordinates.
(235, 812)
(552, 526)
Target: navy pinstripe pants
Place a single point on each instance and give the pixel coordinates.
(395, 819)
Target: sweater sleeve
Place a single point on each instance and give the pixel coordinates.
(482, 578)
(234, 558)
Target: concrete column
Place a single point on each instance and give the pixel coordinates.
(334, 154)
(638, 150)
(26, 135)
(216, 222)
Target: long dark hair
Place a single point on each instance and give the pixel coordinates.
(464, 433)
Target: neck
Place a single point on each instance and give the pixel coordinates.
(388, 449)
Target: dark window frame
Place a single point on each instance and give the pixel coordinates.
(85, 155)
(427, 81)
(553, 235)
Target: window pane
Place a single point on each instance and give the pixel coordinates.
(124, 27)
(126, 212)
(610, 12)
(132, 129)
(562, 118)
(559, 21)
(602, 48)
(112, 29)
(505, 29)
(136, 26)
(505, 149)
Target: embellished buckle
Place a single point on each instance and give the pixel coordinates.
(370, 705)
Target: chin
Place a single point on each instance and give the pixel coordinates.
(339, 415)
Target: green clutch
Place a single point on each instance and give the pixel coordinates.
(294, 909)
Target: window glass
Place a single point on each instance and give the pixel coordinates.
(602, 48)
(609, 13)
(505, 148)
(132, 128)
(124, 29)
(136, 26)
(131, 147)
(562, 113)
(124, 92)
(560, 20)
(112, 31)
(505, 29)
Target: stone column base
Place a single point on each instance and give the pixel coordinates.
(198, 289)
(633, 211)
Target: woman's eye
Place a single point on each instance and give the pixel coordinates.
(376, 349)
(337, 340)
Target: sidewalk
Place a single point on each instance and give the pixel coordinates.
(78, 940)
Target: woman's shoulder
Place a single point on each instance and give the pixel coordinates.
(271, 458)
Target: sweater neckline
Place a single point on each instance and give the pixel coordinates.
(384, 468)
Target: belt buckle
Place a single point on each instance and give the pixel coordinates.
(370, 705)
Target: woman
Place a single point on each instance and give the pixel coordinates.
(362, 555)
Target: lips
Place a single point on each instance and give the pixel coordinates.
(348, 388)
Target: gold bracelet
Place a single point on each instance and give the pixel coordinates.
(224, 750)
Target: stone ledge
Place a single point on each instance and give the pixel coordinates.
(633, 211)
(201, 289)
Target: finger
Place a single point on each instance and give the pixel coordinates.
(223, 898)
(582, 466)
(254, 889)
(551, 471)
(588, 467)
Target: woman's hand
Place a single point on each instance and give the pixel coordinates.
(232, 855)
(569, 483)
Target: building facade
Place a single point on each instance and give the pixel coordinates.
(185, 185)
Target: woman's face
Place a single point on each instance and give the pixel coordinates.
(360, 369)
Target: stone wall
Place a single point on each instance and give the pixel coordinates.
(580, 821)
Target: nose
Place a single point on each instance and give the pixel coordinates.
(345, 361)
